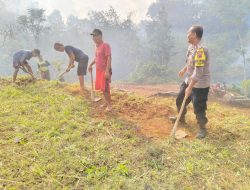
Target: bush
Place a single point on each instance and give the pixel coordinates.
(235, 89)
(246, 87)
(152, 73)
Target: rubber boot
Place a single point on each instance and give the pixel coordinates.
(202, 132)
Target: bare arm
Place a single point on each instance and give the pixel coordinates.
(29, 68)
(30, 72)
(108, 63)
(71, 62)
(182, 72)
(91, 65)
(185, 69)
(107, 72)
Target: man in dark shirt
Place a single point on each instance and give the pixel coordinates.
(20, 61)
(77, 55)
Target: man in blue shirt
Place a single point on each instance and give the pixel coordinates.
(20, 59)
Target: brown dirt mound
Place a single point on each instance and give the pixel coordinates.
(156, 128)
(149, 117)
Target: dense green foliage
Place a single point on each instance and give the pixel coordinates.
(160, 40)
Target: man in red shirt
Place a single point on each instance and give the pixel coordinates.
(103, 67)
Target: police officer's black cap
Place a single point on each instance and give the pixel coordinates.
(97, 32)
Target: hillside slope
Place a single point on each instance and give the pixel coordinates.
(53, 137)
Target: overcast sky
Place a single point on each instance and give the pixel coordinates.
(82, 7)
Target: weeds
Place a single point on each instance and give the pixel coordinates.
(50, 140)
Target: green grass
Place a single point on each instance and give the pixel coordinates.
(49, 140)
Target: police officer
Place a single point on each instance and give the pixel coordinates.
(197, 82)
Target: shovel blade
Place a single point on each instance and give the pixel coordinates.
(180, 134)
(97, 99)
(61, 79)
(93, 98)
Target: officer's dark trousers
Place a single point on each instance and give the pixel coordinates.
(199, 99)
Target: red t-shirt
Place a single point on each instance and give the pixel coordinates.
(101, 54)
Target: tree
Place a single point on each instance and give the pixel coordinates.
(122, 36)
(7, 32)
(105, 19)
(34, 23)
(160, 40)
(55, 21)
(234, 20)
(181, 13)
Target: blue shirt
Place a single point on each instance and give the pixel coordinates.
(22, 55)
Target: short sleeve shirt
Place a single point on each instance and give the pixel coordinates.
(77, 52)
(22, 55)
(101, 55)
(198, 64)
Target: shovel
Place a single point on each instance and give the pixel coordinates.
(93, 98)
(178, 118)
(60, 77)
(24, 70)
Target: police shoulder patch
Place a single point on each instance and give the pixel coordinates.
(200, 55)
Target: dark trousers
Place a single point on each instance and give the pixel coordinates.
(45, 75)
(199, 98)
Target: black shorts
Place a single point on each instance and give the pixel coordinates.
(83, 65)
